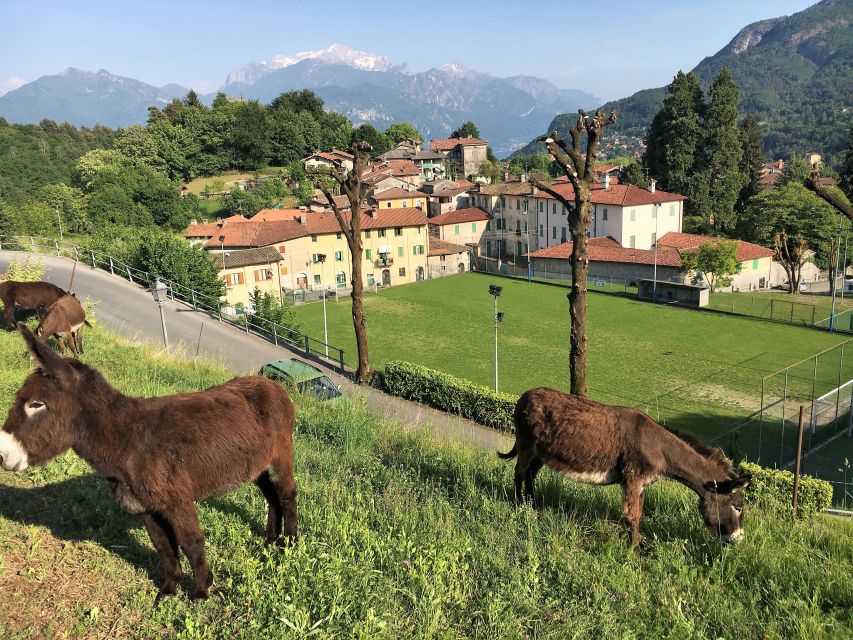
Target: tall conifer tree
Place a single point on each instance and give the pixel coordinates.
(724, 151)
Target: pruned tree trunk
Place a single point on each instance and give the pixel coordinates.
(813, 183)
(791, 253)
(578, 166)
(350, 185)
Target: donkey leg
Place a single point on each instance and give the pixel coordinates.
(72, 342)
(274, 514)
(184, 521)
(632, 508)
(530, 478)
(79, 334)
(60, 341)
(163, 538)
(522, 465)
(284, 481)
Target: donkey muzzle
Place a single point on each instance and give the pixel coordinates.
(12, 454)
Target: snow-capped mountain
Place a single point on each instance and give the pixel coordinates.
(335, 54)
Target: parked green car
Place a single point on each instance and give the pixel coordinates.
(304, 378)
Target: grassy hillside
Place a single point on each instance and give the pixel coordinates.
(401, 536)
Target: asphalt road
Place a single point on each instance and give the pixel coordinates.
(130, 311)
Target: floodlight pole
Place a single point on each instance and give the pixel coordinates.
(59, 221)
(834, 285)
(527, 233)
(496, 344)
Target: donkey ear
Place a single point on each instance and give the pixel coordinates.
(41, 354)
(742, 481)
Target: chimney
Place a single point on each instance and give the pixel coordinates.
(522, 177)
(652, 184)
(506, 176)
(371, 212)
(303, 218)
(193, 222)
(607, 182)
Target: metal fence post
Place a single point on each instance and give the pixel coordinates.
(219, 309)
(56, 246)
(94, 262)
(76, 257)
(341, 356)
(112, 271)
(761, 421)
(274, 334)
(247, 322)
(784, 400)
(799, 458)
(195, 307)
(129, 275)
(33, 244)
(307, 346)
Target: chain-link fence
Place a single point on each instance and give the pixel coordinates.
(562, 275)
(274, 332)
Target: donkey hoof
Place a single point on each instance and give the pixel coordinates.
(200, 593)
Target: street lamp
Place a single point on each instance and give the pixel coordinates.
(834, 285)
(527, 233)
(158, 290)
(656, 206)
(495, 291)
(321, 258)
(59, 220)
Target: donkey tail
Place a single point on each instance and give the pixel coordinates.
(509, 454)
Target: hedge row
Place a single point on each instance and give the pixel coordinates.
(449, 393)
(773, 489)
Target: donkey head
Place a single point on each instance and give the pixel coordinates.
(40, 422)
(722, 507)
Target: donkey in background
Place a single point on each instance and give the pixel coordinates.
(601, 444)
(27, 295)
(159, 454)
(64, 320)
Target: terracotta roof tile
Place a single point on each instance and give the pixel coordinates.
(471, 214)
(256, 233)
(608, 250)
(445, 144)
(441, 248)
(396, 193)
(276, 214)
(745, 250)
(202, 230)
(622, 195)
(384, 219)
(246, 257)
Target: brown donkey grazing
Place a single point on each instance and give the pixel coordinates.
(159, 454)
(64, 320)
(27, 295)
(601, 444)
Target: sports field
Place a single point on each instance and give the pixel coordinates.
(695, 370)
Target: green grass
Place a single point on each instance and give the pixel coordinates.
(401, 537)
(804, 309)
(695, 370)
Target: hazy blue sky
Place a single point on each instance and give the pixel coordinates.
(635, 44)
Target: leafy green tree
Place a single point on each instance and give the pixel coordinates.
(846, 181)
(467, 130)
(244, 203)
(372, 136)
(491, 171)
(170, 257)
(249, 141)
(675, 145)
(632, 173)
(33, 218)
(272, 309)
(138, 146)
(716, 262)
(70, 202)
(400, 131)
(724, 151)
(796, 223)
(752, 159)
(296, 101)
(796, 171)
(192, 100)
(94, 162)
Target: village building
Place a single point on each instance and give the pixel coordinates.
(461, 227)
(447, 258)
(465, 155)
(245, 270)
(333, 158)
(398, 198)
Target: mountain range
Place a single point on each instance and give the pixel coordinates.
(795, 75)
(363, 86)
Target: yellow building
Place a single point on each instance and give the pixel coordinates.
(247, 269)
(399, 198)
(395, 250)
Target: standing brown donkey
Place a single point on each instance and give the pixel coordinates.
(27, 295)
(64, 320)
(600, 444)
(159, 454)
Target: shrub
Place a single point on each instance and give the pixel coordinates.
(30, 270)
(773, 489)
(449, 393)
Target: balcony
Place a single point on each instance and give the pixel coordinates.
(385, 261)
